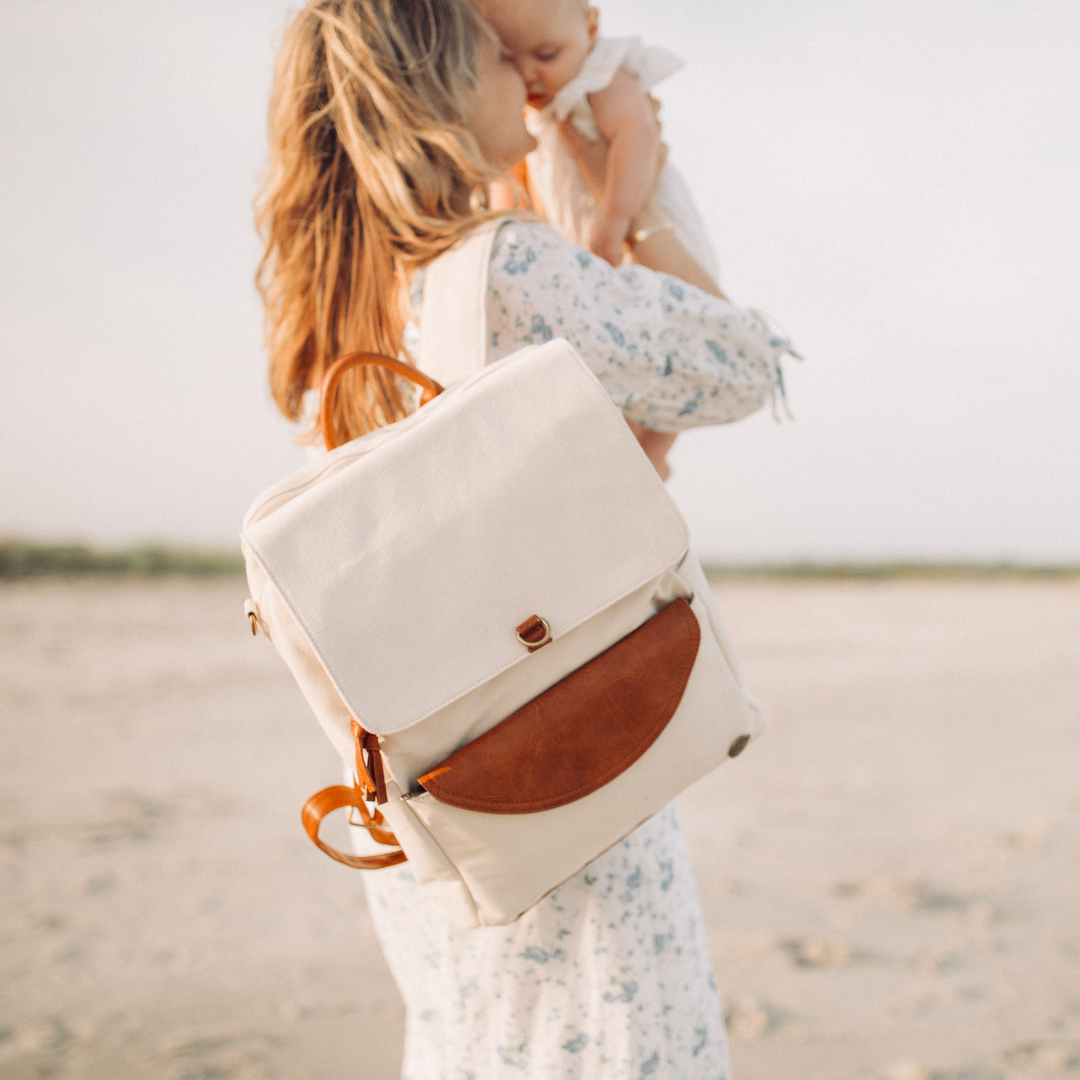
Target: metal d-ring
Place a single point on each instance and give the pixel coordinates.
(543, 641)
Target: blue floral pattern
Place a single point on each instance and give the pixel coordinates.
(607, 978)
(670, 355)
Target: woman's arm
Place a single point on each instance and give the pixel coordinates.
(662, 250)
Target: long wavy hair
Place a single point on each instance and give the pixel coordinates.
(372, 173)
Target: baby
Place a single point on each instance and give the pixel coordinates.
(601, 85)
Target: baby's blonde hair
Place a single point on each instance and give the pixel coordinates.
(372, 173)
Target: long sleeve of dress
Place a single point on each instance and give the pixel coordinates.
(671, 356)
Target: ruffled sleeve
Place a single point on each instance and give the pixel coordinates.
(648, 64)
(671, 356)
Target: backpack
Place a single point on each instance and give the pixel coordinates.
(492, 608)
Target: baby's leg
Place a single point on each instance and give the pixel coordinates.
(656, 445)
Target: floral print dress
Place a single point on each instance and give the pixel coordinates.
(609, 977)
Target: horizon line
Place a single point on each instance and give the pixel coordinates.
(21, 559)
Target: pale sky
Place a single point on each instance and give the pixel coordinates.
(897, 183)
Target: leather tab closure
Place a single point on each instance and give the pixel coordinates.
(534, 633)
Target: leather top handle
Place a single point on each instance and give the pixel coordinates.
(429, 388)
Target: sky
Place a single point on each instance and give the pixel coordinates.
(897, 184)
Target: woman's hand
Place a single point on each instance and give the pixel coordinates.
(608, 238)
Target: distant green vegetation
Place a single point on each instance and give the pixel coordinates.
(891, 571)
(21, 559)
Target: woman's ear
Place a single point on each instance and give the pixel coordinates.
(592, 22)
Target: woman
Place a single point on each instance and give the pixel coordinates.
(389, 119)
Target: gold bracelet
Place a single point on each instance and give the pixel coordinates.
(650, 230)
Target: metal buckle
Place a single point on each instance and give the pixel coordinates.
(531, 645)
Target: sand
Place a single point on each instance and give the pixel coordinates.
(891, 876)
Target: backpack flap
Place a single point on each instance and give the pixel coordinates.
(410, 568)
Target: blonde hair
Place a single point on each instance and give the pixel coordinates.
(372, 173)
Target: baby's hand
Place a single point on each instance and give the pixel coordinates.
(608, 238)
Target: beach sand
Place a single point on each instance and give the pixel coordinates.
(890, 875)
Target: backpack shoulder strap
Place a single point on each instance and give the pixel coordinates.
(453, 315)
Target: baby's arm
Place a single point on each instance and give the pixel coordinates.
(625, 119)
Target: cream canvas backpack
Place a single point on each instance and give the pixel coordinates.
(493, 607)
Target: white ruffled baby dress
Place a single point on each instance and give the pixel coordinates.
(566, 199)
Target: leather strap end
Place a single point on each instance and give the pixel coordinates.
(363, 777)
(369, 770)
(335, 798)
(378, 777)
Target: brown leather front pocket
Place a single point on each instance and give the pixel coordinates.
(584, 731)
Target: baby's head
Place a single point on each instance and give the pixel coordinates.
(548, 40)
